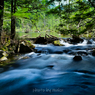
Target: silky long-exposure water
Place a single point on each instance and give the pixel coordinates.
(52, 71)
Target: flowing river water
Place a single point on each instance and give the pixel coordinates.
(52, 71)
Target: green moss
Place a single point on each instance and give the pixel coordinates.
(28, 43)
(3, 58)
(57, 43)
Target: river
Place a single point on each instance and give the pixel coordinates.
(52, 71)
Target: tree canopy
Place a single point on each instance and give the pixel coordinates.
(66, 16)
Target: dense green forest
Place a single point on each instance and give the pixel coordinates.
(61, 18)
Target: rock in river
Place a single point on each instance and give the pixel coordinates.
(57, 43)
(77, 58)
(89, 42)
(93, 52)
(76, 39)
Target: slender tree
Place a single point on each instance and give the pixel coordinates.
(1, 15)
(13, 20)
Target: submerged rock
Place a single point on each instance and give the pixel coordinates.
(79, 53)
(66, 50)
(93, 52)
(1, 70)
(82, 53)
(50, 66)
(77, 58)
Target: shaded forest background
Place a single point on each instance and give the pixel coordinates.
(57, 17)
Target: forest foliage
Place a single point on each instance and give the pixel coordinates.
(75, 17)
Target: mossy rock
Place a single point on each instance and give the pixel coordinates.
(3, 55)
(28, 43)
(3, 58)
(57, 43)
(25, 47)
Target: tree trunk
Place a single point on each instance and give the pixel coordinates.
(1, 15)
(13, 19)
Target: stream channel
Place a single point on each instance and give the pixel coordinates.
(52, 71)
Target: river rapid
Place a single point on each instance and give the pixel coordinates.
(52, 71)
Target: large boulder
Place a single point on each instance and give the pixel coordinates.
(77, 58)
(40, 40)
(76, 39)
(89, 41)
(57, 43)
(24, 47)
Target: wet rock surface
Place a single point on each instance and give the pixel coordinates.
(57, 43)
(89, 42)
(93, 52)
(74, 40)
